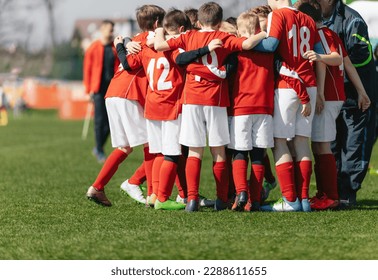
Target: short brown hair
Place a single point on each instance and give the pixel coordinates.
(310, 8)
(248, 21)
(261, 11)
(147, 15)
(192, 14)
(210, 14)
(176, 18)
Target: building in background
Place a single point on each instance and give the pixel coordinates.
(87, 30)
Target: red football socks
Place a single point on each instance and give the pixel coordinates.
(318, 177)
(148, 163)
(109, 168)
(269, 177)
(193, 172)
(303, 171)
(181, 178)
(257, 177)
(158, 161)
(231, 183)
(220, 173)
(139, 176)
(239, 173)
(327, 172)
(168, 172)
(285, 175)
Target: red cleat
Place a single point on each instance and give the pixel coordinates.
(324, 203)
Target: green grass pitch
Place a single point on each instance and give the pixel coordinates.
(46, 169)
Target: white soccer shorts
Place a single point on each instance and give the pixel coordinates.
(199, 121)
(248, 131)
(126, 121)
(288, 120)
(324, 125)
(163, 137)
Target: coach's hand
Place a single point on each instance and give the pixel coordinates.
(312, 56)
(214, 44)
(363, 101)
(306, 109)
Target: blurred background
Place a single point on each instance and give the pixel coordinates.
(42, 44)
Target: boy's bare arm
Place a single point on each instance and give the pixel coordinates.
(320, 80)
(332, 59)
(252, 41)
(160, 44)
(363, 98)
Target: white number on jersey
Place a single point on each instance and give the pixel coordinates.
(162, 84)
(213, 65)
(304, 39)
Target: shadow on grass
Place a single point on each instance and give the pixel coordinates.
(367, 204)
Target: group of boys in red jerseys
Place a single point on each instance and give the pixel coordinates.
(271, 79)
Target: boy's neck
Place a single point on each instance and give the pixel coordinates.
(284, 3)
(209, 28)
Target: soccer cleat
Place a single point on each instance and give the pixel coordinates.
(240, 201)
(133, 191)
(204, 202)
(100, 156)
(324, 203)
(150, 201)
(248, 206)
(267, 188)
(255, 206)
(168, 205)
(306, 205)
(181, 200)
(192, 206)
(98, 196)
(282, 205)
(220, 205)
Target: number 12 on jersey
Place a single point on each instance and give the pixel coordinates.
(162, 84)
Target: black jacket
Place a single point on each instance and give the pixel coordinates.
(353, 31)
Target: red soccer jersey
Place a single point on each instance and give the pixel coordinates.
(205, 79)
(130, 85)
(334, 81)
(297, 34)
(253, 87)
(166, 82)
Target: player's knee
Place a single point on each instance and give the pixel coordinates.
(126, 150)
(195, 152)
(240, 155)
(173, 159)
(218, 153)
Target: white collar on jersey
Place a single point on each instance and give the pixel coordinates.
(291, 8)
(201, 30)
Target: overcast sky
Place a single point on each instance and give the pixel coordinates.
(68, 11)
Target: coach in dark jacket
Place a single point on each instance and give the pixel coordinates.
(100, 64)
(355, 128)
